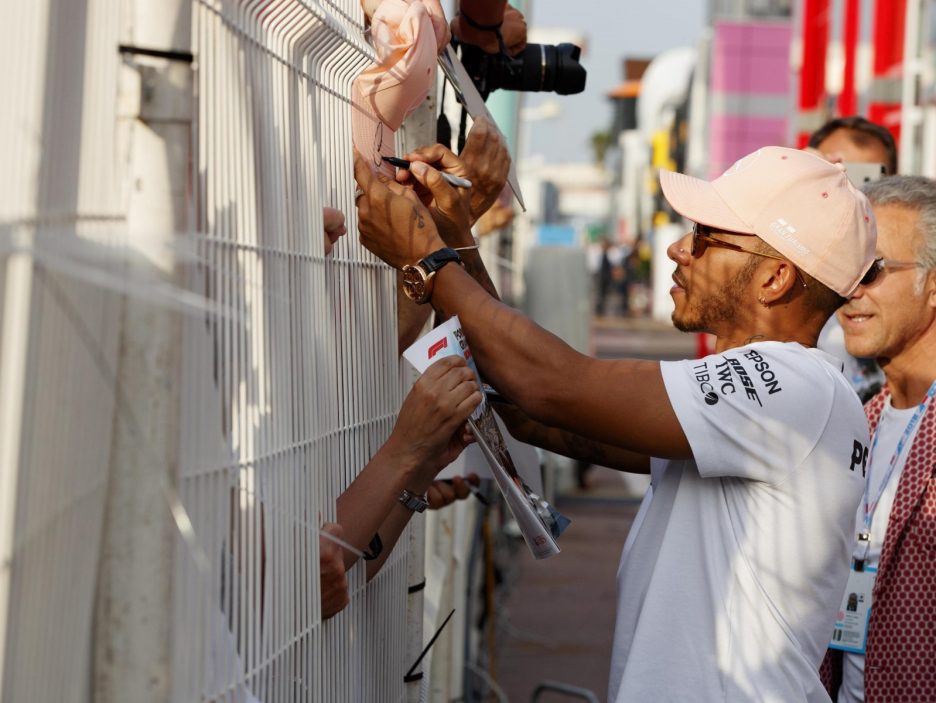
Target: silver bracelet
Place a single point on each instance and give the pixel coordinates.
(473, 246)
(414, 502)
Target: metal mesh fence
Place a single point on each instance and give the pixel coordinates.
(306, 382)
(280, 363)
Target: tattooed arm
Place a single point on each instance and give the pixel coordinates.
(485, 161)
(569, 444)
(548, 380)
(451, 210)
(447, 208)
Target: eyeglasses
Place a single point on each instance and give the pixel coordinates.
(702, 239)
(880, 265)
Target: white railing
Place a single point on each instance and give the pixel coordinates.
(305, 366)
(60, 193)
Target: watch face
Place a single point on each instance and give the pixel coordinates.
(414, 283)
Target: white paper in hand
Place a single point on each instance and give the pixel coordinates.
(445, 340)
(539, 523)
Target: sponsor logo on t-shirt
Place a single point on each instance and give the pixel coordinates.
(723, 376)
(730, 371)
(704, 379)
(762, 367)
(859, 457)
(749, 390)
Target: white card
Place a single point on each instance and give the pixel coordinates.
(851, 624)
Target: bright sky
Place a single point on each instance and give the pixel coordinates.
(614, 29)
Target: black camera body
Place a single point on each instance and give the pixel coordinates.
(539, 67)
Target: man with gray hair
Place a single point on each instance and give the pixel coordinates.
(888, 651)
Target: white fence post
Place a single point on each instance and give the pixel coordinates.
(419, 130)
(134, 600)
(17, 297)
(19, 197)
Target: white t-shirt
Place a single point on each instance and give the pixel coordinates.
(735, 567)
(890, 429)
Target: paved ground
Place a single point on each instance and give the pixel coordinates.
(559, 617)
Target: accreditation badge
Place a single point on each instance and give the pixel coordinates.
(851, 623)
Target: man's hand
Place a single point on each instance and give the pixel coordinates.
(485, 161)
(393, 224)
(447, 204)
(498, 216)
(440, 26)
(334, 221)
(486, 157)
(445, 492)
(513, 29)
(430, 431)
(334, 582)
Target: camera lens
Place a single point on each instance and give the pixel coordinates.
(544, 67)
(539, 67)
(563, 68)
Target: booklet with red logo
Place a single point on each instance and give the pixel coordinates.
(538, 521)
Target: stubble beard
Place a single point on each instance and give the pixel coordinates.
(706, 314)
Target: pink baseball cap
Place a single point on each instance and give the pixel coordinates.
(385, 93)
(800, 204)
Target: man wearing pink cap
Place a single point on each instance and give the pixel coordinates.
(735, 567)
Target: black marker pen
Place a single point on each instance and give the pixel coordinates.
(454, 180)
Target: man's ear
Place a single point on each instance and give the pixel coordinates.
(778, 279)
(929, 288)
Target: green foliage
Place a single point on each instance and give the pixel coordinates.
(600, 143)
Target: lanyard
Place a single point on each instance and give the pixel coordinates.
(864, 537)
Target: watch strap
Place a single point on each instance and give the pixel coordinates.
(438, 259)
(374, 548)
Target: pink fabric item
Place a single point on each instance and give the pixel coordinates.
(800, 204)
(383, 95)
(440, 24)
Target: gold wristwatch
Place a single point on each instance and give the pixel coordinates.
(417, 279)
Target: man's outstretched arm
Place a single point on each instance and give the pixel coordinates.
(623, 403)
(569, 444)
(485, 162)
(447, 207)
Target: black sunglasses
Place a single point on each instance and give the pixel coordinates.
(880, 265)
